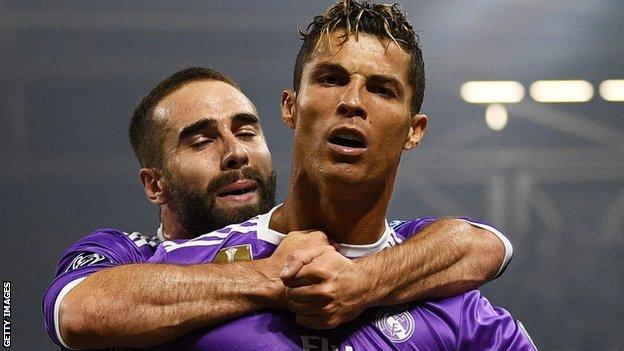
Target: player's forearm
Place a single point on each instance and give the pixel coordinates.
(447, 258)
(141, 305)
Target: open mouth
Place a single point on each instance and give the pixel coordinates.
(348, 138)
(238, 188)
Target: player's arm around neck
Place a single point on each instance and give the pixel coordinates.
(446, 258)
(141, 305)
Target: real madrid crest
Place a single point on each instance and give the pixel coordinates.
(395, 323)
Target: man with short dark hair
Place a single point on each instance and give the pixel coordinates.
(104, 297)
(204, 163)
(354, 110)
(198, 210)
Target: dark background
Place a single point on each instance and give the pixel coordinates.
(552, 180)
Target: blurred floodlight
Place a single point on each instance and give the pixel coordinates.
(487, 92)
(496, 116)
(612, 90)
(561, 91)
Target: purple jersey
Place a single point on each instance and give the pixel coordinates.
(101, 249)
(463, 322)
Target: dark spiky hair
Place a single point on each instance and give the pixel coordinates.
(353, 17)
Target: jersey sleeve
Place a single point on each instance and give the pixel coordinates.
(484, 327)
(410, 228)
(101, 249)
(506, 243)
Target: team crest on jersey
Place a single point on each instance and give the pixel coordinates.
(85, 259)
(395, 323)
(234, 253)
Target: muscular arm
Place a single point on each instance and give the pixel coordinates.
(446, 258)
(141, 305)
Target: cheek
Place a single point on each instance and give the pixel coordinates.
(392, 133)
(263, 157)
(197, 171)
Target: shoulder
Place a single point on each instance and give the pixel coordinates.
(101, 249)
(487, 327)
(108, 245)
(205, 247)
(410, 227)
(107, 236)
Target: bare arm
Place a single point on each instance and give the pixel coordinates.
(141, 305)
(446, 258)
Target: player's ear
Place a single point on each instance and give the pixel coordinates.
(154, 185)
(288, 108)
(418, 126)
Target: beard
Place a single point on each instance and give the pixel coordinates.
(196, 207)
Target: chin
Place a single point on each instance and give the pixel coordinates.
(346, 173)
(236, 206)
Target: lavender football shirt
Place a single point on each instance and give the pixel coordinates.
(463, 322)
(101, 249)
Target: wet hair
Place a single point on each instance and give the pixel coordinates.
(145, 132)
(353, 17)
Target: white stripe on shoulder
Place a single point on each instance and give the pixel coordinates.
(171, 246)
(213, 238)
(210, 235)
(139, 239)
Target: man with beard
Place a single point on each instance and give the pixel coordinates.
(358, 88)
(206, 164)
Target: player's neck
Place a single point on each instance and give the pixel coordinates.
(172, 227)
(352, 214)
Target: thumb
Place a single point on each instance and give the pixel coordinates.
(292, 266)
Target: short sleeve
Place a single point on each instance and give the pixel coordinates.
(484, 327)
(101, 249)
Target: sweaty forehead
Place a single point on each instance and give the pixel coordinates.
(368, 53)
(201, 99)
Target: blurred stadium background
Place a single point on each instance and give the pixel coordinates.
(552, 178)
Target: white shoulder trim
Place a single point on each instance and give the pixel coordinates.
(388, 238)
(212, 238)
(57, 305)
(503, 238)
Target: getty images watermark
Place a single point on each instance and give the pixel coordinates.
(6, 314)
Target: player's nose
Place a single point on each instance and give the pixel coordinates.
(351, 102)
(235, 156)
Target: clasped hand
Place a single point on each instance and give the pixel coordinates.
(323, 288)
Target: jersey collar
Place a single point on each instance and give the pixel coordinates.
(352, 251)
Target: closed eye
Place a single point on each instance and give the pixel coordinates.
(245, 134)
(201, 141)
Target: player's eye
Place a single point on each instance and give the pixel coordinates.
(201, 141)
(331, 79)
(382, 91)
(246, 133)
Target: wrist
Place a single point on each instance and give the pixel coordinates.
(374, 293)
(270, 290)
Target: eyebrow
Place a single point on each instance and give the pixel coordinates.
(376, 78)
(205, 123)
(331, 67)
(245, 118)
(383, 79)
